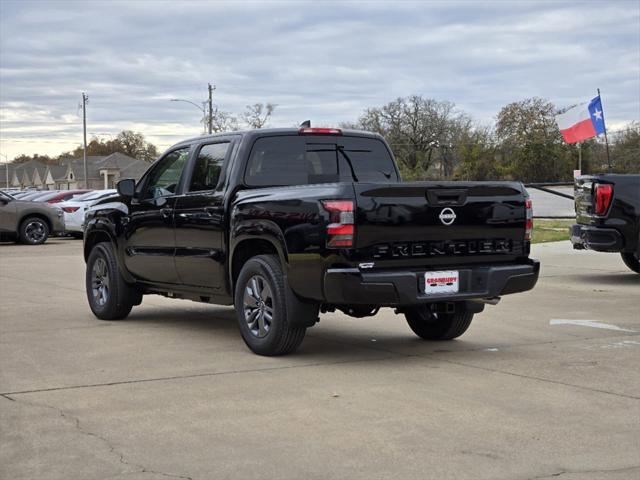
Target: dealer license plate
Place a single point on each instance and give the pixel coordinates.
(441, 282)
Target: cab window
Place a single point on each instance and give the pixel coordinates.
(164, 179)
(206, 171)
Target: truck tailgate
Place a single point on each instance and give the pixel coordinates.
(440, 222)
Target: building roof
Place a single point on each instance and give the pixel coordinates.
(128, 167)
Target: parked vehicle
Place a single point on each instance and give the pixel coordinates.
(36, 194)
(287, 223)
(20, 194)
(59, 196)
(30, 222)
(608, 216)
(75, 209)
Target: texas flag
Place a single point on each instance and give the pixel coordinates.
(582, 121)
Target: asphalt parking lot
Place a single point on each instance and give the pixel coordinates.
(172, 392)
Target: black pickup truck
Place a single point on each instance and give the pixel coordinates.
(608, 216)
(286, 223)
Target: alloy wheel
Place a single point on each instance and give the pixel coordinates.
(35, 231)
(100, 282)
(258, 306)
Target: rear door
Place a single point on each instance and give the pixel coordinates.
(149, 234)
(199, 218)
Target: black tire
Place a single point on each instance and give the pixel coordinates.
(261, 308)
(438, 326)
(33, 231)
(109, 296)
(631, 260)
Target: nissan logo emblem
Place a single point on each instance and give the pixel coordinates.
(447, 216)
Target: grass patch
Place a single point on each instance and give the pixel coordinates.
(551, 230)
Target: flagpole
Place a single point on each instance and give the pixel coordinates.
(580, 157)
(606, 140)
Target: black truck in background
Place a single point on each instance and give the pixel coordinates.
(287, 223)
(608, 216)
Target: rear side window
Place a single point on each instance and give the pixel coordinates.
(301, 160)
(206, 172)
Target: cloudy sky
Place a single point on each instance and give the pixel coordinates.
(326, 61)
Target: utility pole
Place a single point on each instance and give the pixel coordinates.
(211, 89)
(85, 99)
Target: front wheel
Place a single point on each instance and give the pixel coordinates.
(438, 326)
(109, 296)
(33, 231)
(631, 260)
(261, 308)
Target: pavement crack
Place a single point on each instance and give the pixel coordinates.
(195, 375)
(78, 426)
(530, 377)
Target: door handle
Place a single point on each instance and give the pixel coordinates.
(166, 213)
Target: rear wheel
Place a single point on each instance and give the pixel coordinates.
(631, 260)
(438, 326)
(109, 296)
(261, 308)
(33, 231)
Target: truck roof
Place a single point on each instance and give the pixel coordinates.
(267, 132)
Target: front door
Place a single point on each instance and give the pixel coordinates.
(149, 233)
(199, 220)
(8, 215)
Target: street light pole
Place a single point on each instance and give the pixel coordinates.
(85, 99)
(202, 109)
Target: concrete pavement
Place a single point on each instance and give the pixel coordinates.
(172, 392)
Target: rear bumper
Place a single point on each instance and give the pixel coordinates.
(596, 238)
(395, 288)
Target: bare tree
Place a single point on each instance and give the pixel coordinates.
(257, 115)
(421, 131)
(223, 121)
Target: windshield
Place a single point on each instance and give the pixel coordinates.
(6, 195)
(301, 160)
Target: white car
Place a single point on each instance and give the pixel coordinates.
(74, 209)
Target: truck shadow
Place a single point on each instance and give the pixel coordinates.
(323, 341)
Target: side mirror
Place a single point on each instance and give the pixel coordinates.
(127, 187)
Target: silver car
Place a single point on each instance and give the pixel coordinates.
(30, 222)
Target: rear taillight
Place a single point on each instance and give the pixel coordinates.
(70, 209)
(341, 230)
(319, 131)
(528, 206)
(603, 196)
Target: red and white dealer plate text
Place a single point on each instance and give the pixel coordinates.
(441, 282)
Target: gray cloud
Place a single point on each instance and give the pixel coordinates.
(325, 61)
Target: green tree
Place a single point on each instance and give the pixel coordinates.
(134, 144)
(531, 147)
(625, 151)
(479, 156)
